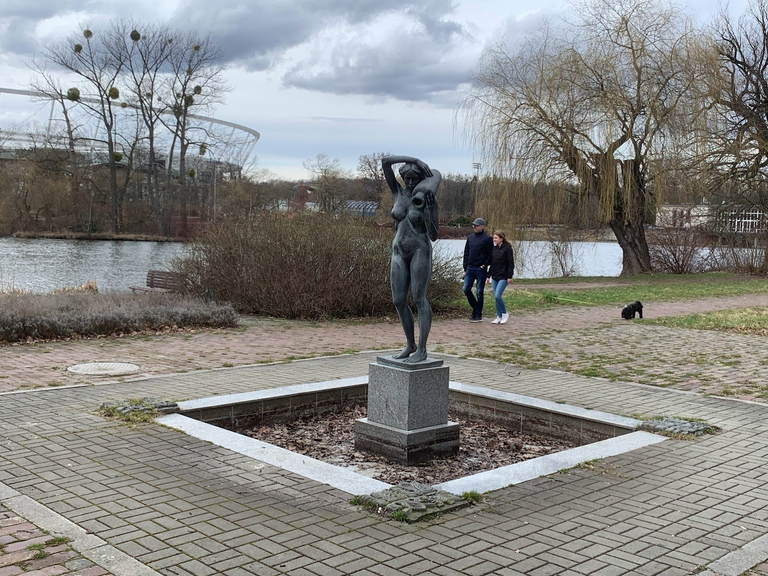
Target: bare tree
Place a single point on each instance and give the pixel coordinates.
(372, 178)
(195, 83)
(147, 51)
(329, 181)
(50, 88)
(369, 168)
(98, 61)
(589, 104)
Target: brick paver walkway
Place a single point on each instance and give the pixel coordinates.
(148, 500)
(26, 549)
(638, 352)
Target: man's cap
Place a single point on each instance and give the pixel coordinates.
(478, 222)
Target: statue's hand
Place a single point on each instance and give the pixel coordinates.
(423, 165)
(429, 198)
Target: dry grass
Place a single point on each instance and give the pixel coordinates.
(76, 314)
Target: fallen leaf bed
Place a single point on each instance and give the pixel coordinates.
(330, 438)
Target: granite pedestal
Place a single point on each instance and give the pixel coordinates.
(407, 412)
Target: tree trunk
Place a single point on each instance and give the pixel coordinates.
(764, 264)
(153, 189)
(630, 207)
(113, 192)
(636, 258)
(74, 178)
(183, 224)
(183, 190)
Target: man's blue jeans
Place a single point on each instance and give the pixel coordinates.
(498, 290)
(475, 274)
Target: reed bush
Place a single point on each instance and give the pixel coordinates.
(307, 266)
(25, 316)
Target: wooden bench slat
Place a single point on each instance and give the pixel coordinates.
(159, 281)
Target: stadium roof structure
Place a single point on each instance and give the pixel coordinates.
(23, 126)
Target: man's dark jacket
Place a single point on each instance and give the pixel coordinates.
(478, 250)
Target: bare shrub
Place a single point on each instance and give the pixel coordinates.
(732, 256)
(561, 243)
(80, 314)
(308, 266)
(444, 288)
(678, 250)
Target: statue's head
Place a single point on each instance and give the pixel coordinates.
(411, 174)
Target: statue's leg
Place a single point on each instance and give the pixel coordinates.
(421, 270)
(399, 279)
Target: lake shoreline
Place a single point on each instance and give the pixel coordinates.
(42, 264)
(101, 236)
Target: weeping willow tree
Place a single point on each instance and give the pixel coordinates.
(514, 203)
(587, 105)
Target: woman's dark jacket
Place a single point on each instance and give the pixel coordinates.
(502, 262)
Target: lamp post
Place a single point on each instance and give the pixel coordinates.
(476, 167)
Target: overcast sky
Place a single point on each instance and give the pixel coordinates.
(335, 77)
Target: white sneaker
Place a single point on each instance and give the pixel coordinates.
(496, 320)
(504, 318)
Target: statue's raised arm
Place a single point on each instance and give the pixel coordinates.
(389, 174)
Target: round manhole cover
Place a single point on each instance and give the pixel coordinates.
(104, 368)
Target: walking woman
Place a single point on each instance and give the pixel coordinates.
(502, 270)
(416, 227)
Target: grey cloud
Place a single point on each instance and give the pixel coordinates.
(17, 36)
(432, 15)
(42, 9)
(421, 65)
(398, 83)
(19, 19)
(404, 79)
(255, 33)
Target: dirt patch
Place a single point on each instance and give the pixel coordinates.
(330, 438)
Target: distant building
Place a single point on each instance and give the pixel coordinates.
(717, 218)
(361, 208)
(684, 216)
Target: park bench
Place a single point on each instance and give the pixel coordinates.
(159, 281)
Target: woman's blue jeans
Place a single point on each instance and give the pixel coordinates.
(498, 289)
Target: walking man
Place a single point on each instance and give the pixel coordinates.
(477, 258)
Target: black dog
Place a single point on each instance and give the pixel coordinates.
(628, 312)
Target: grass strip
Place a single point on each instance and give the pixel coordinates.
(752, 320)
(645, 288)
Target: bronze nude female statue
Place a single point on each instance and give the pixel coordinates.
(416, 227)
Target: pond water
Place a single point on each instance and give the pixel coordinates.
(43, 265)
(540, 259)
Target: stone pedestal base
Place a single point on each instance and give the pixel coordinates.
(407, 412)
(407, 447)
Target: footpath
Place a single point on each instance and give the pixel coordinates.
(81, 495)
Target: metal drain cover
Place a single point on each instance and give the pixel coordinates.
(104, 368)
